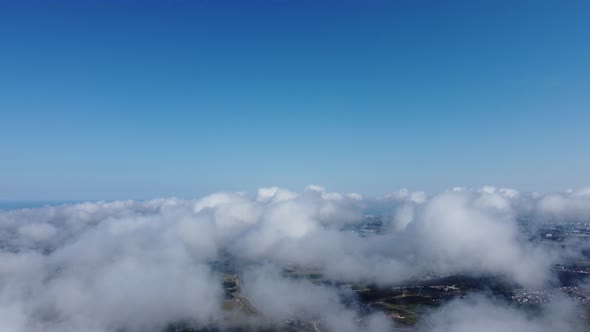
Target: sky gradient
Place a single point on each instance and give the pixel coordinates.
(129, 99)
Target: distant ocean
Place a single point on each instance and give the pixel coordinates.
(13, 205)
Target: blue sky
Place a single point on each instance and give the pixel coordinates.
(129, 99)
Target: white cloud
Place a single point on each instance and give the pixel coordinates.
(98, 266)
(479, 314)
(37, 232)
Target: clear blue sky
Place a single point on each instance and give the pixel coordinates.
(135, 99)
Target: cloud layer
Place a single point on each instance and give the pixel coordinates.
(141, 265)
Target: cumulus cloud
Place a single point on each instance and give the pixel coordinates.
(140, 265)
(37, 232)
(481, 314)
(477, 233)
(131, 271)
(568, 205)
(281, 298)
